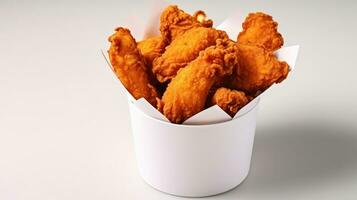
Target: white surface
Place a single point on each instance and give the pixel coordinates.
(64, 125)
(193, 161)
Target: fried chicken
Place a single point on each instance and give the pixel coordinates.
(151, 48)
(257, 69)
(129, 66)
(174, 22)
(260, 29)
(231, 101)
(186, 94)
(184, 49)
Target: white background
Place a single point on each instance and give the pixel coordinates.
(64, 127)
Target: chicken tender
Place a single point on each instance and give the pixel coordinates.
(258, 69)
(231, 101)
(128, 65)
(186, 94)
(260, 29)
(151, 48)
(174, 22)
(184, 49)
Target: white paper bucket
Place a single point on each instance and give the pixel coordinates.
(193, 160)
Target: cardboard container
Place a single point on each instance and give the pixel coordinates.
(210, 152)
(193, 160)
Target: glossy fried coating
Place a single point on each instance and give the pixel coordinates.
(260, 29)
(151, 48)
(184, 49)
(231, 101)
(258, 69)
(128, 65)
(186, 94)
(174, 22)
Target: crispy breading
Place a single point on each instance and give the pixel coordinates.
(260, 29)
(174, 22)
(184, 49)
(231, 101)
(151, 48)
(186, 94)
(257, 69)
(129, 66)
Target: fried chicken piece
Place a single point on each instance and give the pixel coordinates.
(151, 48)
(200, 16)
(231, 101)
(184, 49)
(257, 69)
(260, 29)
(174, 22)
(128, 65)
(186, 94)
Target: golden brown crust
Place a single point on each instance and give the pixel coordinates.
(231, 101)
(260, 29)
(174, 22)
(258, 69)
(184, 49)
(201, 63)
(187, 92)
(200, 17)
(151, 48)
(129, 66)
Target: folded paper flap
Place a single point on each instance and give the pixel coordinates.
(211, 115)
(148, 109)
(289, 55)
(253, 102)
(247, 107)
(232, 25)
(105, 55)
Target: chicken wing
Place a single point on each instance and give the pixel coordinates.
(128, 65)
(174, 22)
(231, 101)
(151, 48)
(260, 29)
(257, 69)
(184, 49)
(186, 94)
